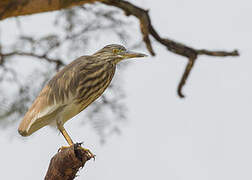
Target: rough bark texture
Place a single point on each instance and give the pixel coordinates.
(12, 8)
(66, 163)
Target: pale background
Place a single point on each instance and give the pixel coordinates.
(206, 136)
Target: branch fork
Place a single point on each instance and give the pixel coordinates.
(148, 30)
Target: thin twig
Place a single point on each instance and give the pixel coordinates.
(58, 62)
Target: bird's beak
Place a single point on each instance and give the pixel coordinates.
(132, 54)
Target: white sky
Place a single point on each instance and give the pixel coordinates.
(203, 137)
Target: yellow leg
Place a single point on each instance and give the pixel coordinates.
(70, 141)
(65, 134)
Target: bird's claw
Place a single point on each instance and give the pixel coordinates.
(78, 146)
(63, 148)
(89, 153)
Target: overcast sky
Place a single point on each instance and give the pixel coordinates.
(206, 136)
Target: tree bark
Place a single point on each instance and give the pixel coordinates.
(66, 163)
(13, 8)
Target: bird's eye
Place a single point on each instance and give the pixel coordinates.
(115, 51)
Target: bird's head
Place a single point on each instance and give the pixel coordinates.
(116, 53)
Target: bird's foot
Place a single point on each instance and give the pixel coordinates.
(77, 147)
(63, 148)
(88, 152)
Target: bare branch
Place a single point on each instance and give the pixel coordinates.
(217, 53)
(12, 8)
(58, 62)
(178, 48)
(186, 73)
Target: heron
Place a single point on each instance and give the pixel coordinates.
(74, 88)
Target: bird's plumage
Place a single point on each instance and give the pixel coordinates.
(73, 88)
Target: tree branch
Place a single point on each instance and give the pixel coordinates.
(58, 62)
(66, 163)
(178, 48)
(12, 8)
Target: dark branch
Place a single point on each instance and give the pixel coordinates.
(12, 8)
(178, 48)
(186, 73)
(66, 163)
(217, 53)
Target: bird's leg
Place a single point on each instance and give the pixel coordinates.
(70, 141)
(65, 134)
